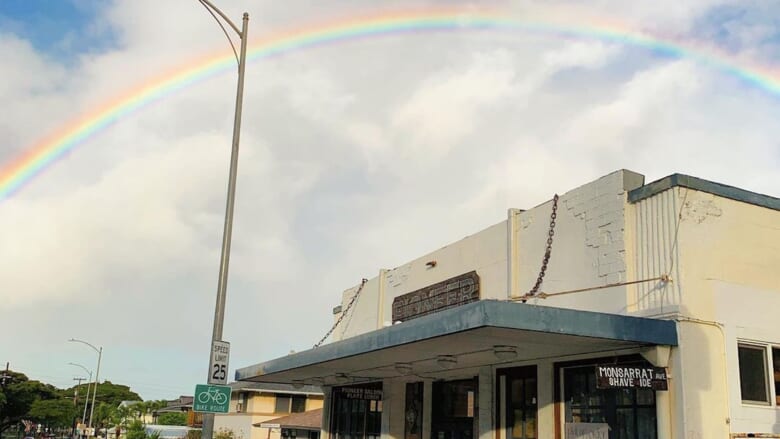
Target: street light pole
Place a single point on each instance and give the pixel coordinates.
(86, 399)
(97, 376)
(227, 233)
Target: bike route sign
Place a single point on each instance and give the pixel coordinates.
(211, 399)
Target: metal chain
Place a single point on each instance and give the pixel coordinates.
(343, 313)
(548, 249)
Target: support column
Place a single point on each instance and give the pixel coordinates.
(486, 413)
(545, 399)
(663, 413)
(327, 409)
(427, 408)
(393, 393)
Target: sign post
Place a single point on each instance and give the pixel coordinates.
(211, 399)
(220, 355)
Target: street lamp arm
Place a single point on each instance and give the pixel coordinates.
(224, 31)
(85, 369)
(210, 6)
(86, 343)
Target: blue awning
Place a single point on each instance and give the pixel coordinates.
(467, 333)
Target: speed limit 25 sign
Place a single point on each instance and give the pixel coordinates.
(220, 354)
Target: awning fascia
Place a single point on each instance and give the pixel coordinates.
(484, 313)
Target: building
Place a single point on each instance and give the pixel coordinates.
(304, 425)
(183, 404)
(252, 404)
(652, 317)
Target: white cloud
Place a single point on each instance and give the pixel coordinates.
(354, 156)
(643, 99)
(444, 107)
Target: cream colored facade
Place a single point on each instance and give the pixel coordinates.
(700, 254)
(252, 404)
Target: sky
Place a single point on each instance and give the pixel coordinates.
(356, 155)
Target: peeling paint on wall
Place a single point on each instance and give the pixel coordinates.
(700, 210)
(398, 276)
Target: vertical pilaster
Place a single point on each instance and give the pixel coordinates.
(486, 413)
(427, 408)
(327, 409)
(545, 399)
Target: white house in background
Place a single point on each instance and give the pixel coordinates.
(655, 317)
(252, 404)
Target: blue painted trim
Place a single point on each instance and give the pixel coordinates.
(484, 313)
(699, 184)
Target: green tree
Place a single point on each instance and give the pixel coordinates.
(136, 430)
(107, 392)
(104, 415)
(157, 405)
(17, 397)
(139, 409)
(121, 415)
(55, 413)
(172, 418)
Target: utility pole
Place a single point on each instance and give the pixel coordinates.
(75, 404)
(76, 393)
(5, 375)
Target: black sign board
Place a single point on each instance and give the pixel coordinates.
(614, 376)
(450, 293)
(360, 393)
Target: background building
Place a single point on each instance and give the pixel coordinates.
(252, 404)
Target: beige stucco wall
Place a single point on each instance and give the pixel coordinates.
(726, 288)
(261, 403)
(755, 325)
(589, 249)
(485, 252)
(726, 240)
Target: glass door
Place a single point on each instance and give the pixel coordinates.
(454, 409)
(520, 402)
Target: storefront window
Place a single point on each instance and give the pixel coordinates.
(454, 409)
(413, 411)
(627, 413)
(357, 411)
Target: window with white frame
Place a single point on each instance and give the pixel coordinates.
(753, 382)
(776, 373)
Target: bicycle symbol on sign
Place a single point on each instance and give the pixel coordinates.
(212, 395)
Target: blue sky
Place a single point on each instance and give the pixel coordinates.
(355, 157)
(60, 28)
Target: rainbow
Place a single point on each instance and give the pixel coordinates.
(42, 155)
